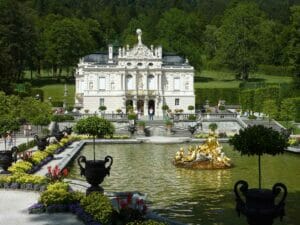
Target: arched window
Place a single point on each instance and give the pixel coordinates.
(151, 82)
(129, 82)
(91, 85)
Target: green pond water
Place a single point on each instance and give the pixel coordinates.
(202, 197)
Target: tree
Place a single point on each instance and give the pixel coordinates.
(210, 41)
(288, 110)
(66, 41)
(182, 33)
(16, 41)
(270, 108)
(239, 42)
(94, 126)
(294, 44)
(247, 100)
(213, 127)
(259, 140)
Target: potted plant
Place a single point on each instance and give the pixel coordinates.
(191, 107)
(141, 125)
(169, 124)
(95, 170)
(119, 111)
(260, 207)
(213, 127)
(102, 108)
(164, 109)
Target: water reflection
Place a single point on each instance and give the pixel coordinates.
(190, 196)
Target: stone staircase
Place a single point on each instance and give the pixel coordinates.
(273, 124)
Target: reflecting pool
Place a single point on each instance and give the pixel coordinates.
(194, 196)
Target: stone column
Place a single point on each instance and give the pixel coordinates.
(146, 99)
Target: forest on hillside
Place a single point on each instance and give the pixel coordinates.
(238, 35)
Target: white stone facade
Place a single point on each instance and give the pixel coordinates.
(140, 76)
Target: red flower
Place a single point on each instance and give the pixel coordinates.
(65, 172)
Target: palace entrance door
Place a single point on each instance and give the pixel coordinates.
(151, 105)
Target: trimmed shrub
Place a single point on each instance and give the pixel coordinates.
(99, 206)
(276, 70)
(132, 116)
(192, 117)
(25, 146)
(230, 95)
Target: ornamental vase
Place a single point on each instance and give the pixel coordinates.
(95, 171)
(7, 158)
(259, 206)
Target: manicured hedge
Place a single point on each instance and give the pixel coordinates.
(230, 95)
(276, 70)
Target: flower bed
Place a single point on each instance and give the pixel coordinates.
(36, 160)
(23, 181)
(94, 209)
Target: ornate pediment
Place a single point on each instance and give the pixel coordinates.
(140, 51)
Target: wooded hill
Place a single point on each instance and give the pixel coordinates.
(217, 34)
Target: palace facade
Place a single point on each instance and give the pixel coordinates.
(140, 76)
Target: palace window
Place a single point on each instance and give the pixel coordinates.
(176, 101)
(177, 84)
(101, 101)
(112, 85)
(151, 83)
(91, 85)
(187, 86)
(129, 82)
(102, 83)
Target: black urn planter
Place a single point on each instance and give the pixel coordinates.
(260, 207)
(59, 135)
(42, 142)
(68, 130)
(7, 158)
(95, 171)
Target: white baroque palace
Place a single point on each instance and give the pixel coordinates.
(140, 76)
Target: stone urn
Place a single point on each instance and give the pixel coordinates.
(259, 206)
(41, 142)
(7, 158)
(95, 171)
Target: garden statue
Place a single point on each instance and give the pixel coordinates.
(7, 157)
(209, 155)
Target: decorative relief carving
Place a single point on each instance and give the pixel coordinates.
(141, 52)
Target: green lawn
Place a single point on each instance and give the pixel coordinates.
(221, 79)
(56, 92)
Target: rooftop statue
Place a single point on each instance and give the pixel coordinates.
(209, 155)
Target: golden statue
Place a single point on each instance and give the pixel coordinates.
(209, 155)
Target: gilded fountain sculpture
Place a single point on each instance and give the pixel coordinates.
(208, 155)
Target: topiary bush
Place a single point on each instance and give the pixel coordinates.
(259, 140)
